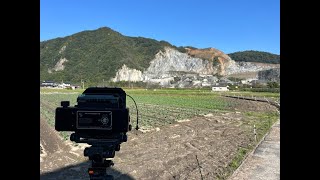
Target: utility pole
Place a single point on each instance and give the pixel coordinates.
(82, 82)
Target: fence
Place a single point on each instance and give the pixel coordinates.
(255, 98)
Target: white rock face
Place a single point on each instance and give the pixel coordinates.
(170, 61)
(62, 49)
(270, 75)
(59, 65)
(127, 74)
(240, 67)
(164, 67)
(162, 82)
(172, 68)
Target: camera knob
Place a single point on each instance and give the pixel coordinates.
(74, 137)
(65, 104)
(86, 152)
(117, 148)
(124, 138)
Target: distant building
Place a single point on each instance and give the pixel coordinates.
(205, 83)
(248, 81)
(52, 84)
(220, 87)
(64, 85)
(47, 84)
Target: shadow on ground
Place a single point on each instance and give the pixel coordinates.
(79, 172)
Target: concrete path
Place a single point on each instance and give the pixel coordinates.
(264, 162)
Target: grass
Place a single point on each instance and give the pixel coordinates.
(263, 122)
(156, 108)
(255, 94)
(235, 163)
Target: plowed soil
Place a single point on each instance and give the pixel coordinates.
(205, 144)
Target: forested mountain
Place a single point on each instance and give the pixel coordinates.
(95, 55)
(255, 56)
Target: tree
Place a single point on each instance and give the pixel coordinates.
(273, 84)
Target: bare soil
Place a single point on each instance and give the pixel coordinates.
(54, 152)
(170, 152)
(245, 105)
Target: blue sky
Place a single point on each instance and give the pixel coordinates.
(228, 25)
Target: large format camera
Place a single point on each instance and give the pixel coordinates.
(100, 119)
(100, 113)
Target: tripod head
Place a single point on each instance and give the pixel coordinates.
(99, 164)
(99, 150)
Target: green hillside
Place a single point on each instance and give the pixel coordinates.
(255, 56)
(96, 55)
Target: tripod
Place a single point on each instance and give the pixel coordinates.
(98, 153)
(99, 150)
(98, 168)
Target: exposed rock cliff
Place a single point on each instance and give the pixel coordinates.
(241, 67)
(169, 62)
(270, 75)
(127, 74)
(197, 67)
(59, 65)
(217, 57)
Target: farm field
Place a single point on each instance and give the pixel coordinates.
(156, 108)
(184, 123)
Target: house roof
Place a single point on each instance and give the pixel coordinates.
(220, 85)
(47, 81)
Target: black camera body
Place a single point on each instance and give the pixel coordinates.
(100, 119)
(100, 113)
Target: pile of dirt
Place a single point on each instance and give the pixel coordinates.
(219, 59)
(208, 54)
